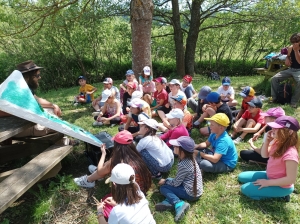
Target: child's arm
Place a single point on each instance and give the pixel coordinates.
(212, 158)
(256, 149)
(259, 133)
(122, 87)
(290, 178)
(94, 89)
(203, 145)
(265, 146)
(182, 172)
(117, 114)
(140, 80)
(161, 102)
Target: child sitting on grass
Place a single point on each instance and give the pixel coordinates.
(188, 181)
(129, 78)
(145, 80)
(227, 92)
(281, 147)
(111, 111)
(250, 122)
(86, 92)
(255, 154)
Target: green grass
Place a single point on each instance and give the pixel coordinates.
(58, 200)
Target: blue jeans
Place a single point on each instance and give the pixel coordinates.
(153, 164)
(188, 92)
(252, 191)
(174, 194)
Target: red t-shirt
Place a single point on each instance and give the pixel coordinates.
(257, 118)
(245, 105)
(162, 95)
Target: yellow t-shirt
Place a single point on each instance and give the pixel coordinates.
(87, 88)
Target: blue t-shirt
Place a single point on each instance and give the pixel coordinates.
(224, 146)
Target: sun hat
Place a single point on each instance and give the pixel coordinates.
(285, 122)
(180, 98)
(27, 66)
(204, 91)
(129, 72)
(255, 102)
(273, 112)
(132, 85)
(188, 78)
(147, 70)
(108, 81)
(247, 91)
(81, 77)
(123, 137)
(161, 80)
(174, 82)
(185, 142)
(213, 97)
(105, 94)
(175, 113)
(136, 95)
(219, 118)
(150, 122)
(121, 174)
(226, 81)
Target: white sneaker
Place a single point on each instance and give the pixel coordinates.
(82, 182)
(97, 123)
(112, 125)
(92, 168)
(238, 140)
(75, 104)
(95, 113)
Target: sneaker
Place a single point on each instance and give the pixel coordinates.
(92, 168)
(287, 198)
(164, 206)
(238, 140)
(95, 113)
(82, 182)
(157, 177)
(75, 104)
(112, 125)
(197, 123)
(97, 123)
(181, 208)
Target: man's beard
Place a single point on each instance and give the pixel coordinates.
(32, 83)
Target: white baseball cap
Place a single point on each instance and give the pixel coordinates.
(147, 70)
(136, 95)
(136, 103)
(175, 81)
(120, 174)
(151, 123)
(175, 113)
(105, 94)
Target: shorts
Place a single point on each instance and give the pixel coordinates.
(164, 109)
(154, 103)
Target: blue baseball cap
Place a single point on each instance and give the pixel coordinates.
(204, 91)
(247, 91)
(213, 97)
(226, 81)
(255, 102)
(129, 72)
(82, 77)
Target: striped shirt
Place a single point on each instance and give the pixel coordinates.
(185, 176)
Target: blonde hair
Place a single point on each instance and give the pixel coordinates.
(285, 139)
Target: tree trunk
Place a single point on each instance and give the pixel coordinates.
(192, 37)
(178, 38)
(141, 22)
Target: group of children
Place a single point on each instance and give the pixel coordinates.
(140, 133)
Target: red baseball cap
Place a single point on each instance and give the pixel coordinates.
(123, 137)
(188, 78)
(132, 85)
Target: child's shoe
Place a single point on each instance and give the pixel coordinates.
(95, 113)
(97, 123)
(238, 140)
(181, 208)
(83, 182)
(75, 104)
(164, 206)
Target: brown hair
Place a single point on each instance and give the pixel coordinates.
(128, 154)
(295, 38)
(190, 156)
(286, 138)
(127, 193)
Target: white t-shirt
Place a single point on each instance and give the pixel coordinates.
(222, 91)
(157, 148)
(170, 100)
(183, 88)
(132, 214)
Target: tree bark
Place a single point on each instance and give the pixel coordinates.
(192, 37)
(141, 22)
(178, 39)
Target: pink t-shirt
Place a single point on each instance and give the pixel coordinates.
(257, 118)
(276, 166)
(174, 134)
(162, 95)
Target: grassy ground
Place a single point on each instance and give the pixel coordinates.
(59, 200)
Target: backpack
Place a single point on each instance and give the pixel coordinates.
(284, 93)
(214, 76)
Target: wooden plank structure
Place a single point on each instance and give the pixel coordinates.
(272, 68)
(46, 164)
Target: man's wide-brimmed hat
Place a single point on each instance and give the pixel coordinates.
(27, 66)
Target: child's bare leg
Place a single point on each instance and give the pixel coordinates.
(239, 124)
(232, 103)
(250, 124)
(210, 111)
(204, 131)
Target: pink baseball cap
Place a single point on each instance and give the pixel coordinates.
(285, 122)
(273, 112)
(123, 137)
(132, 85)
